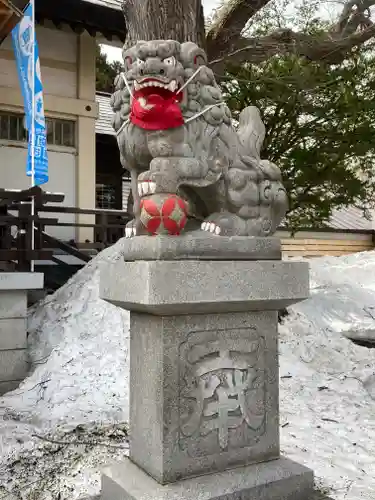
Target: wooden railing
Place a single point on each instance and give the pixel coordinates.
(18, 251)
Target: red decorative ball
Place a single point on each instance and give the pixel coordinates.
(164, 214)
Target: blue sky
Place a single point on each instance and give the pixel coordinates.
(114, 53)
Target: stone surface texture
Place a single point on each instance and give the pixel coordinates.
(13, 337)
(13, 334)
(9, 386)
(21, 281)
(183, 287)
(208, 397)
(202, 158)
(13, 303)
(13, 365)
(199, 246)
(275, 480)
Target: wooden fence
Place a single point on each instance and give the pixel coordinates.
(318, 247)
(17, 252)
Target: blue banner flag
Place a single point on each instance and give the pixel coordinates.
(25, 45)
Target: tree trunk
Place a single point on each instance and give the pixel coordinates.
(180, 20)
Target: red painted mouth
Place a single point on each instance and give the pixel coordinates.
(156, 104)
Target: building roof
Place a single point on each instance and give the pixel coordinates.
(20, 4)
(350, 218)
(104, 122)
(10, 15)
(94, 16)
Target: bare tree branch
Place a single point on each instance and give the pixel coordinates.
(352, 15)
(353, 28)
(226, 29)
(183, 20)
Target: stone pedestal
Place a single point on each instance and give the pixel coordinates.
(13, 327)
(204, 417)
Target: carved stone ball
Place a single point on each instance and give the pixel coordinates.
(164, 214)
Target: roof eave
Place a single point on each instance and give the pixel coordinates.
(84, 16)
(10, 16)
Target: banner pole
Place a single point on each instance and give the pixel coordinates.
(32, 3)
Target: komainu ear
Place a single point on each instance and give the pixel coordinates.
(192, 56)
(128, 56)
(128, 61)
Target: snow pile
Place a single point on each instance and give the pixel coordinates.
(67, 418)
(327, 413)
(79, 345)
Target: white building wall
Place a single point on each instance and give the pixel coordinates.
(59, 66)
(58, 53)
(62, 173)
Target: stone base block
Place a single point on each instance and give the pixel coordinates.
(21, 281)
(279, 479)
(13, 365)
(13, 303)
(13, 334)
(9, 386)
(206, 395)
(198, 246)
(201, 287)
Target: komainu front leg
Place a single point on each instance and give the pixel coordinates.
(225, 224)
(146, 184)
(166, 175)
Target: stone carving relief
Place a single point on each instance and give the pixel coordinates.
(222, 391)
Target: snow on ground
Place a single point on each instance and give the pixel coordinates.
(67, 419)
(79, 345)
(326, 380)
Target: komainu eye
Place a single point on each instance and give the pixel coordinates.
(139, 62)
(170, 61)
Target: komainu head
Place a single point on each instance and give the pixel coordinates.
(169, 77)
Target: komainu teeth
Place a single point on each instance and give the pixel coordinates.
(172, 86)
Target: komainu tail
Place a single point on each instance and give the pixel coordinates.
(251, 132)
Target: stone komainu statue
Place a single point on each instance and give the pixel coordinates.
(176, 136)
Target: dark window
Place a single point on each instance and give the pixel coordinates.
(106, 196)
(59, 132)
(12, 127)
